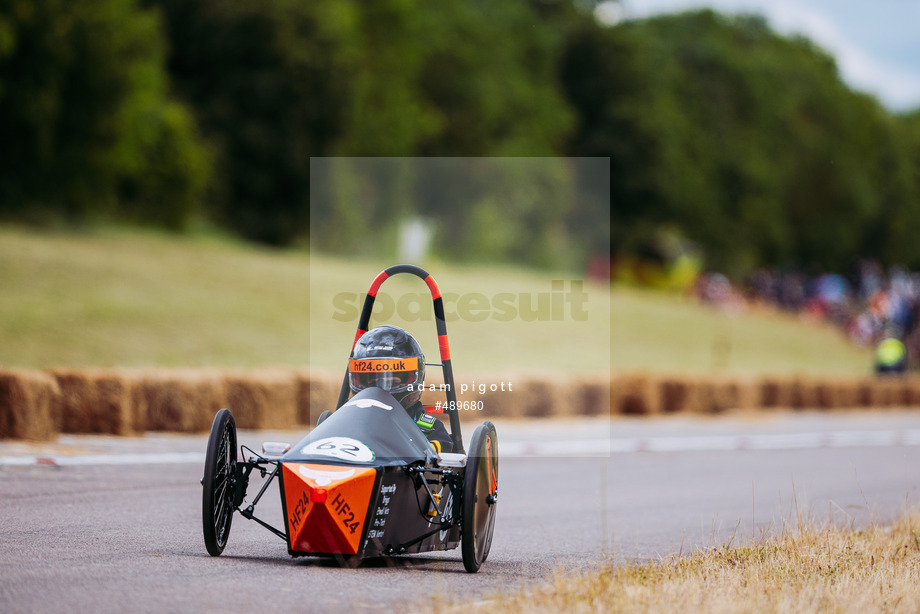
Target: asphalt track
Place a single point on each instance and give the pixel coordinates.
(88, 528)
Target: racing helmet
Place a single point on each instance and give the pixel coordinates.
(389, 358)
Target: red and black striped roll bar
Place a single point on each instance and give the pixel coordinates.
(363, 325)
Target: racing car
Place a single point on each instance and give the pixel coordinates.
(365, 482)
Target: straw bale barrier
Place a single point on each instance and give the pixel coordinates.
(719, 394)
(887, 392)
(805, 393)
(263, 398)
(38, 405)
(590, 397)
(635, 394)
(874, 394)
(177, 399)
(474, 393)
(317, 391)
(545, 397)
(648, 394)
(494, 404)
(777, 392)
(28, 405)
(477, 400)
(679, 394)
(96, 401)
(913, 391)
(837, 393)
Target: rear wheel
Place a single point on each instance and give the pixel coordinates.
(219, 482)
(480, 497)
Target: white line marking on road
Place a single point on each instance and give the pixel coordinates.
(587, 447)
(162, 458)
(713, 443)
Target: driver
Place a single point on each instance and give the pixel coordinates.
(392, 342)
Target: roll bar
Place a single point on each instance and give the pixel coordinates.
(363, 326)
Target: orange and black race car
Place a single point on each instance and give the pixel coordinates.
(365, 482)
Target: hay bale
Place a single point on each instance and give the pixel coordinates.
(512, 402)
(826, 393)
(513, 396)
(889, 391)
(262, 399)
(912, 391)
(777, 392)
(28, 405)
(95, 401)
(304, 383)
(679, 394)
(863, 386)
(523, 396)
(876, 393)
(805, 393)
(183, 400)
(848, 393)
(545, 397)
(635, 394)
(838, 393)
(710, 397)
(139, 401)
(900, 391)
(590, 397)
(744, 393)
(718, 394)
(316, 391)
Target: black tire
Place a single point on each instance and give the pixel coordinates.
(218, 482)
(480, 497)
(326, 413)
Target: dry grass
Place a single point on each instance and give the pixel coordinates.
(816, 569)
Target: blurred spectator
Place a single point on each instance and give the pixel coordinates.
(890, 356)
(872, 306)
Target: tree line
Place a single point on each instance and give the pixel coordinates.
(718, 129)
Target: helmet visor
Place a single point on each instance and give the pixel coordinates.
(390, 374)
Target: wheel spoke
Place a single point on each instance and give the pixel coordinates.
(220, 518)
(221, 498)
(221, 488)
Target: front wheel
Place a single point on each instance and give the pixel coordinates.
(219, 482)
(480, 497)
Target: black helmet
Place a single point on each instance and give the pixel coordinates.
(390, 358)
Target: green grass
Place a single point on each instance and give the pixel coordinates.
(665, 332)
(141, 299)
(133, 298)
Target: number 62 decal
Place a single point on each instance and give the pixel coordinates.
(342, 448)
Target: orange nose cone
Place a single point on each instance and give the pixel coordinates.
(326, 506)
